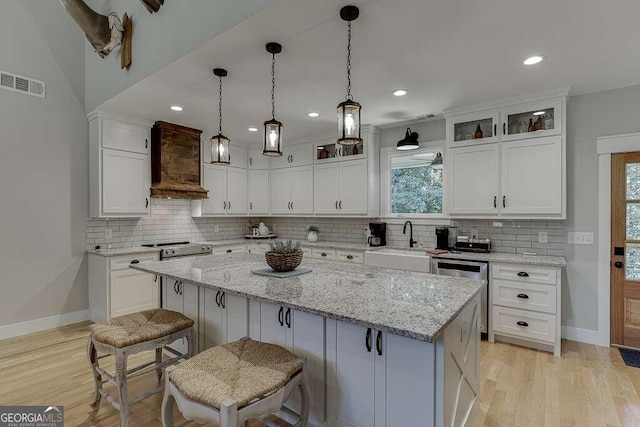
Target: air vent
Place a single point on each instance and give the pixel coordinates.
(22, 84)
(425, 116)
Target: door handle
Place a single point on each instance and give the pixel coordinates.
(521, 323)
(280, 318)
(523, 296)
(229, 203)
(340, 204)
(618, 264)
(336, 205)
(174, 287)
(287, 318)
(223, 300)
(504, 128)
(367, 340)
(250, 161)
(495, 202)
(146, 205)
(250, 206)
(504, 201)
(146, 143)
(224, 206)
(495, 129)
(181, 288)
(523, 274)
(379, 343)
(217, 299)
(291, 205)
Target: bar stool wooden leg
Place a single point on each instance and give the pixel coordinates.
(167, 402)
(93, 362)
(121, 379)
(159, 361)
(228, 413)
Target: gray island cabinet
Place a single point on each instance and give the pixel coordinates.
(385, 348)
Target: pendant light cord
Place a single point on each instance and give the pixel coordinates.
(273, 86)
(220, 105)
(349, 97)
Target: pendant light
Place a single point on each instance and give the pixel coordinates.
(273, 128)
(437, 162)
(410, 141)
(220, 143)
(349, 110)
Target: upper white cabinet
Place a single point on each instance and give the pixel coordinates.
(513, 165)
(257, 160)
(341, 188)
(294, 155)
(119, 166)
(327, 150)
(258, 191)
(227, 187)
(238, 155)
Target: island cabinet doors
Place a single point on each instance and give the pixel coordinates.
(304, 335)
(378, 379)
(225, 318)
(183, 298)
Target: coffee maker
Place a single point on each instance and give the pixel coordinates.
(442, 238)
(378, 234)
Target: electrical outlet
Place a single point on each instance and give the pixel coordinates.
(581, 238)
(108, 233)
(474, 233)
(216, 228)
(543, 237)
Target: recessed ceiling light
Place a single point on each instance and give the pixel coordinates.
(313, 114)
(253, 129)
(176, 108)
(535, 59)
(539, 113)
(399, 92)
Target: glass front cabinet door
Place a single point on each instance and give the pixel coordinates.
(473, 128)
(532, 120)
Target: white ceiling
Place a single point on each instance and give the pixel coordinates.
(447, 54)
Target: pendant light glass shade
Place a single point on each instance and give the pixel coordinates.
(437, 162)
(220, 143)
(273, 128)
(410, 141)
(349, 123)
(349, 110)
(272, 138)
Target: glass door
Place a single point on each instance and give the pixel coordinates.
(625, 249)
(532, 120)
(473, 128)
(326, 151)
(352, 152)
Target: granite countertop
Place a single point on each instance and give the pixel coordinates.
(547, 261)
(341, 246)
(415, 305)
(124, 251)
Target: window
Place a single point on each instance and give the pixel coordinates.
(413, 188)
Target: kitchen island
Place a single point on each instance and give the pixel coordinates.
(384, 347)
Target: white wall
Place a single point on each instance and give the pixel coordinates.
(159, 39)
(43, 170)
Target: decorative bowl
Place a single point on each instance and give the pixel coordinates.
(283, 262)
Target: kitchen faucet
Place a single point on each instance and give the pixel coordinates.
(404, 231)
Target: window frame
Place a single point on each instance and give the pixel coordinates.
(388, 153)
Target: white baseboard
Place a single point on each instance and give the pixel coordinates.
(588, 336)
(37, 325)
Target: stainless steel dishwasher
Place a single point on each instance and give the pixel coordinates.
(468, 270)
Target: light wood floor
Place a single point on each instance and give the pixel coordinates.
(588, 386)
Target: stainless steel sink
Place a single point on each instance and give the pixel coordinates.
(399, 259)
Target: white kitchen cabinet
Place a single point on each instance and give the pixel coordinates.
(546, 116)
(258, 191)
(302, 334)
(294, 155)
(341, 188)
(229, 249)
(225, 318)
(115, 289)
(473, 179)
(119, 166)
(238, 156)
(292, 190)
(327, 150)
(227, 188)
(461, 129)
(183, 298)
(257, 160)
(532, 176)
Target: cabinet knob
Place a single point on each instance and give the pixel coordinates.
(229, 251)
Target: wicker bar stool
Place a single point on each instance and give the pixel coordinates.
(232, 383)
(130, 334)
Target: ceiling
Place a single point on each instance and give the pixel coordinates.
(447, 54)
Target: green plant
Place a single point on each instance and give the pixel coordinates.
(313, 228)
(280, 247)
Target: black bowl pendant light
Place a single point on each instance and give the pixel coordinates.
(410, 141)
(220, 143)
(273, 128)
(349, 110)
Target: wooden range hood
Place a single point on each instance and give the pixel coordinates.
(175, 162)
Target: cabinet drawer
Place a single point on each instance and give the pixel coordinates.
(537, 326)
(120, 263)
(327, 254)
(229, 249)
(528, 296)
(524, 273)
(354, 257)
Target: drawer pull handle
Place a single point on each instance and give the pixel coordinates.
(367, 341)
(523, 296)
(280, 316)
(349, 256)
(135, 261)
(379, 343)
(323, 254)
(523, 274)
(521, 323)
(218, 298)
(287, 318)
(229, 251)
